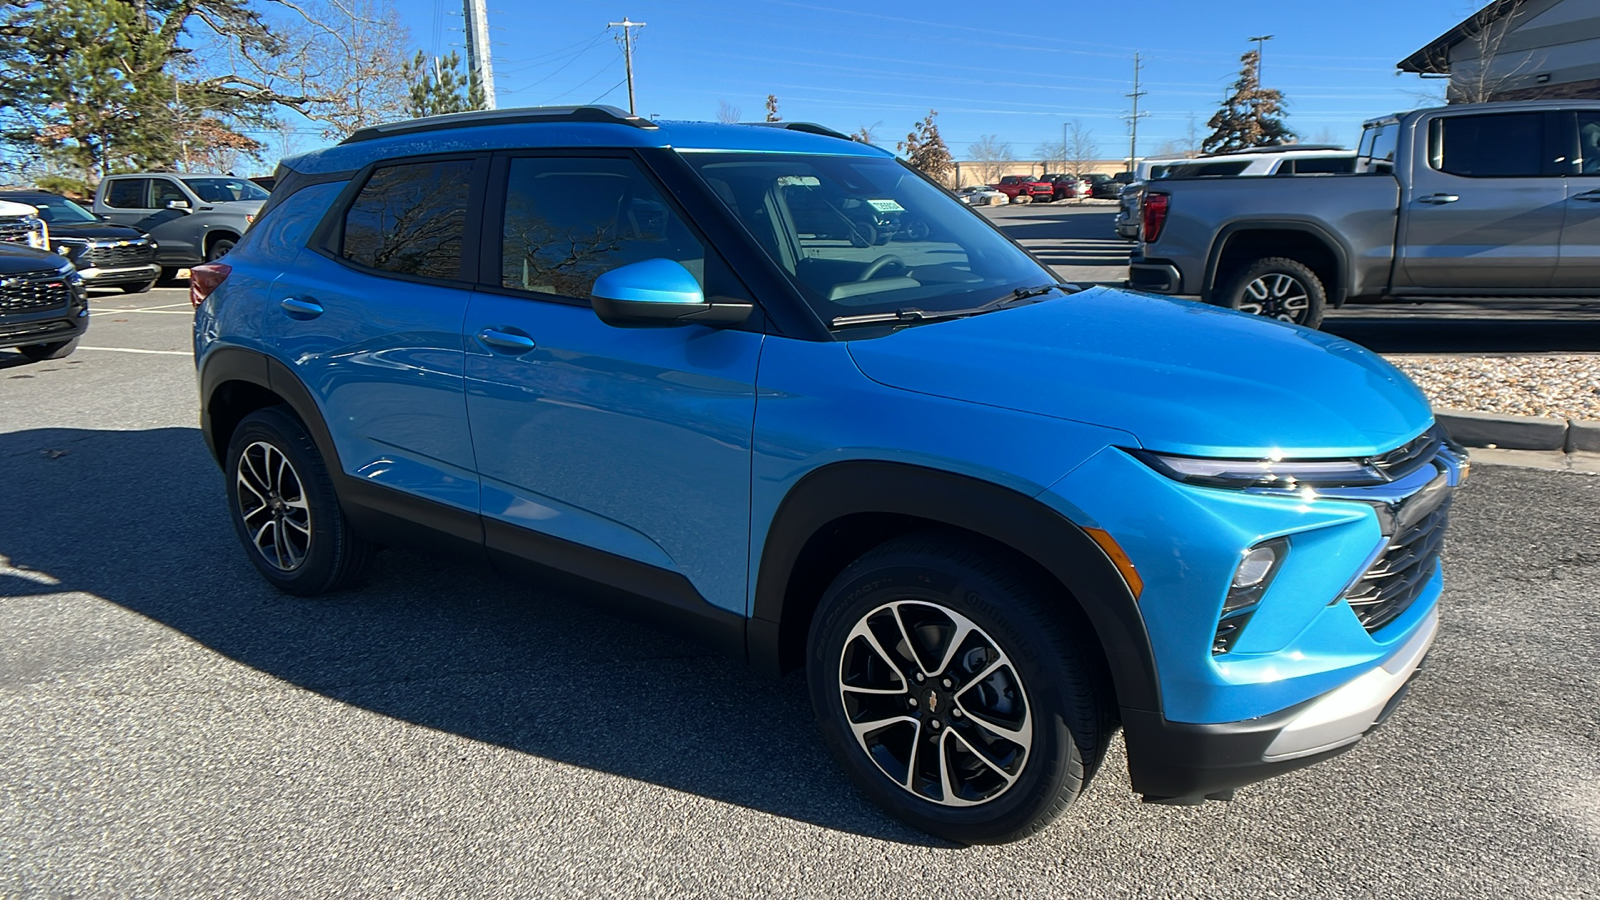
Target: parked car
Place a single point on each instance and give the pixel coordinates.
(1025, 189)
(44, 308)
(1127, 221)
(1483, 200)
(20, 224)
(1066, 187)
(192, 217)
(982, 195)
(1103, 186)
(1288, 159)
(105, 254)
(977, 507)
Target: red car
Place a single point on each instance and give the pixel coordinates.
(1025, 189)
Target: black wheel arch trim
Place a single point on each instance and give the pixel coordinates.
(1337, 294)
(1016, 520)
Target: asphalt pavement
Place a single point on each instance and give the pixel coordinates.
(171, 727)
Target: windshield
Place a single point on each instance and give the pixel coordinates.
(58, 210)
(860, 235)
(224, 190)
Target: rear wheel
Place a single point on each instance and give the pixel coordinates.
(285, 510)
(1278, 288)
(42, 352)
(951, 692)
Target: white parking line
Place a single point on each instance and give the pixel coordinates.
(161, 312)
(132, 350)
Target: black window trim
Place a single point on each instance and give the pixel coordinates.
(328, 238)
(492, 247)
(1552, 133)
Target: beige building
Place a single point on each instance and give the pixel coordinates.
(1518, 50)
(970, 173)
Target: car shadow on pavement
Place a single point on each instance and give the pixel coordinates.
(138, 518)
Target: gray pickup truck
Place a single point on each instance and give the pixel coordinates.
(193, 217)
(1470, 201)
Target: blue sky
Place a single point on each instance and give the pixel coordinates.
(999, 68)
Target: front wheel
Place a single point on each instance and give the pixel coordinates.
(1278, 288)
(57, 350)
(285, 510)
(140, 288)
(218, 249)
(952, 692)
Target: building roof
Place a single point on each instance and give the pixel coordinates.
(1434, 58)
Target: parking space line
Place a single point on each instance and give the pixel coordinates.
(159, 312)
(134, 350)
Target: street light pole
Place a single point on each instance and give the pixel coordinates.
(1261, 41)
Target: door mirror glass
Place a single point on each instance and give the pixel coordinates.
(659, 293)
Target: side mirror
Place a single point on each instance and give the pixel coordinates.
(177, 204)
(659, 293)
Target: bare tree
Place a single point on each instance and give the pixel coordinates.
(1052, 155)
(989, 156)
(727, 113)
(867, 134)
(1082, 149)
(1480, 69)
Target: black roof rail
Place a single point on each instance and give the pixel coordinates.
(526, 115)
(1279, 148)
(807, 127)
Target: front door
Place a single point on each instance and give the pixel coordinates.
(1485, 204)
(1580, 236)
(631, 441)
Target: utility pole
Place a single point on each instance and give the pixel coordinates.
(1135, 116)
(478, 59)
(1261, 41)
(627, 52)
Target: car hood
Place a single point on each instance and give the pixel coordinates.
(96, 231)
(1182, 377)
(16, 259)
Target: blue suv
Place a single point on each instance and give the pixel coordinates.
(992, 517)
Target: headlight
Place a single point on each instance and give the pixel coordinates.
(1283, 474)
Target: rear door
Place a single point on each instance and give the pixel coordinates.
(1485, 202)
(143, 203)
(1580, 236)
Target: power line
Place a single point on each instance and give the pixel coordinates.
(627, 53)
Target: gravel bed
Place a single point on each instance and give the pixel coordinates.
(1563, 387)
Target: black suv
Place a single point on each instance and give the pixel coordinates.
(44, 307)
(104, 253)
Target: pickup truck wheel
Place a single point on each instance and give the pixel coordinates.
(42, 352)
(169, 276)
(140, 288)
(1278, 288)
(951, 692)
(218, 249)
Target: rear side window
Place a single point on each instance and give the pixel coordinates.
(128, 193)
(1589, 142)
(1503, 145)
(1378, 144)
(410, 219)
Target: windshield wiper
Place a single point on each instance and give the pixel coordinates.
(913, 314)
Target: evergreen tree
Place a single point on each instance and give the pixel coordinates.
(925, 149)
(438, 86)
(1251, 117)
(772, 109)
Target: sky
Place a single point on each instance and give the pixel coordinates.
(990, 68)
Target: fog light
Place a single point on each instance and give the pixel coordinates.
(1250, 582)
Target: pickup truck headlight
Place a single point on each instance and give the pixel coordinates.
(1282, 474)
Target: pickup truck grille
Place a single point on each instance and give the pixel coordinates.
(33, 292)
(138, 253)
(1394, 582)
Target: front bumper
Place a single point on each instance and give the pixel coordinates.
(97, 277)
(45, 327)
(1178, 762)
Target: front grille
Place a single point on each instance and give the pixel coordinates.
(1394, 582)
(1410, 456)
(137, 254)
(33, 292)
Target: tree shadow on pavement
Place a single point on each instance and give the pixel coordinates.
(138, 518)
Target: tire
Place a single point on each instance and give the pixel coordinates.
(169, 276)
(57, 350)
(140, 288)
(1278, 288)
(947, 588)
(219, 248)
(278, 483)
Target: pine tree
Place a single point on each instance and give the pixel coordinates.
(1251, 117)
(772, 109)
(438, 86)
(925, 149)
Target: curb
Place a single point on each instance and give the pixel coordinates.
(1477, 429)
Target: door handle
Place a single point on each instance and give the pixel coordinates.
(505, 340)
(300, 308)
(1438, 199)
(1588, 196)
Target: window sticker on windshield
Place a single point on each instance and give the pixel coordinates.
(799, 180)
(886, 206)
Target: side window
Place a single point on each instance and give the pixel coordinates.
(410, 219)
(1589, 141)
(128, 193)
(163, 192)
(1378, 143)
(1501, 145)
(569, 221)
